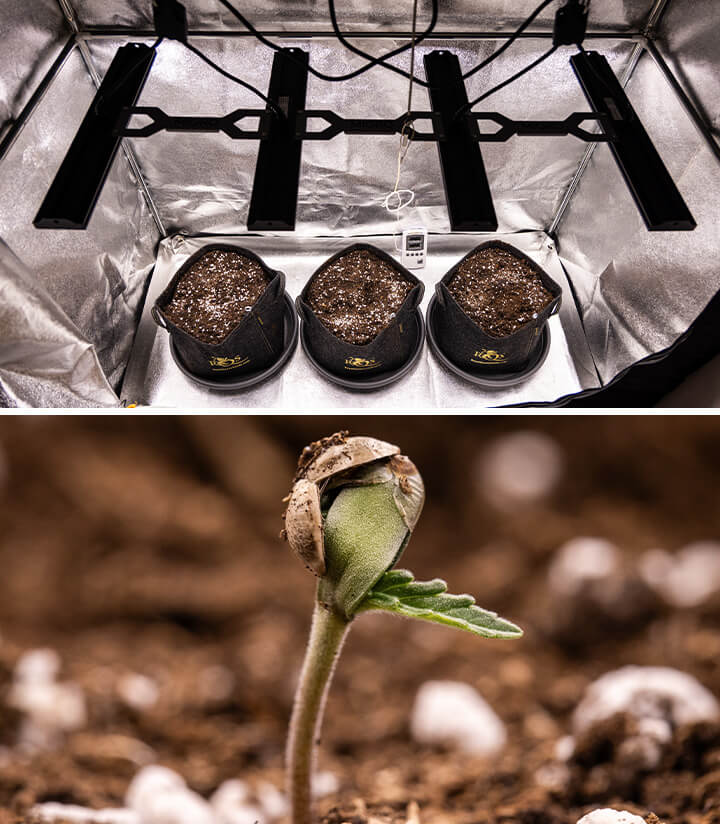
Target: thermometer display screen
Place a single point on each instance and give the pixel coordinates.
(414, 243)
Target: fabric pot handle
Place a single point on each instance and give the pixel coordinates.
(302, 309)
(278, 284)
(158, 318)
(415, 295)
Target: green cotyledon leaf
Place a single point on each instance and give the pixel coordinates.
(397, 591)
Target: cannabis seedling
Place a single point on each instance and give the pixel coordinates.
(351, 512)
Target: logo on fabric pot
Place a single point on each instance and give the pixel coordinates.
(361, 364)
(220, 364)
(487, 356)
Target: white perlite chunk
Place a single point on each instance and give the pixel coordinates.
(324, 783)
(160, 796)
(138, 691)
(230, 803)
(38, 666)
(582, 561)
(52, 811)
(647, 692)
(449, 712)
(272, 802)
(49, 708)
(606, 815)
(523, 467)
(685, 579)
(565, 748)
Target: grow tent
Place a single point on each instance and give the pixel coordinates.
(75, 319)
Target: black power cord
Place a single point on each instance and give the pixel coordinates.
(526, 23)
(381, 61)
(170, 18)
(373, 61)
(276, 110)
(569, 29)
(543, 57)
(513, 37)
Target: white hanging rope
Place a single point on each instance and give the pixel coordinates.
(399, 199)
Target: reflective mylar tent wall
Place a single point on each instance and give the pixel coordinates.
(71, 302)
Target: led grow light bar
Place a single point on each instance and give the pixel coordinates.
(277, 174)
(467, 191)
(71, 198)
(283, 126)
(656, 195)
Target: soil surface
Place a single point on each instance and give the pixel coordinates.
(357, 296)
(149, 546)
(215, 294)
(498, 291)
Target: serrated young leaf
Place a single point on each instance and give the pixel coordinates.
(417, 589)
(394, 577)
(398, 592)
(441, 603)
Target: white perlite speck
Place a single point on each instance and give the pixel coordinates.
(449, 712)
(160, 796)
(522, 467)
(646, 692)
(581, 561)
(50, 708)
(324, 783)
(231, 805)
(606, 815)
(138, 691)
(272, 802)
(685, 579)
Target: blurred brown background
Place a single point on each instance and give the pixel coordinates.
(149, 546)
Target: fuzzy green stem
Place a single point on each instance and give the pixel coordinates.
(326, 639)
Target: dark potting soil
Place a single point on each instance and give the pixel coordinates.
(159, 555)
(357, 296)
(215, 294)
(499, 291)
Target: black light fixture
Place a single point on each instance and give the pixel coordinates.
(284, 126)
(467, 191)
(277, 173)
(656, 195)
(71, 198)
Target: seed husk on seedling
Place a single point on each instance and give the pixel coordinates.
(354, 504)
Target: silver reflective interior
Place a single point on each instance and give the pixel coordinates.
(96, 277)
(203, 182)
(154, 379)
(688, 37)
(488, 15)
(637, 292)
(32, 34)
(44, 360)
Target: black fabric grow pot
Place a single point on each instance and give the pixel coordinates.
(461, 343)
(384, 359)
(255, 349)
